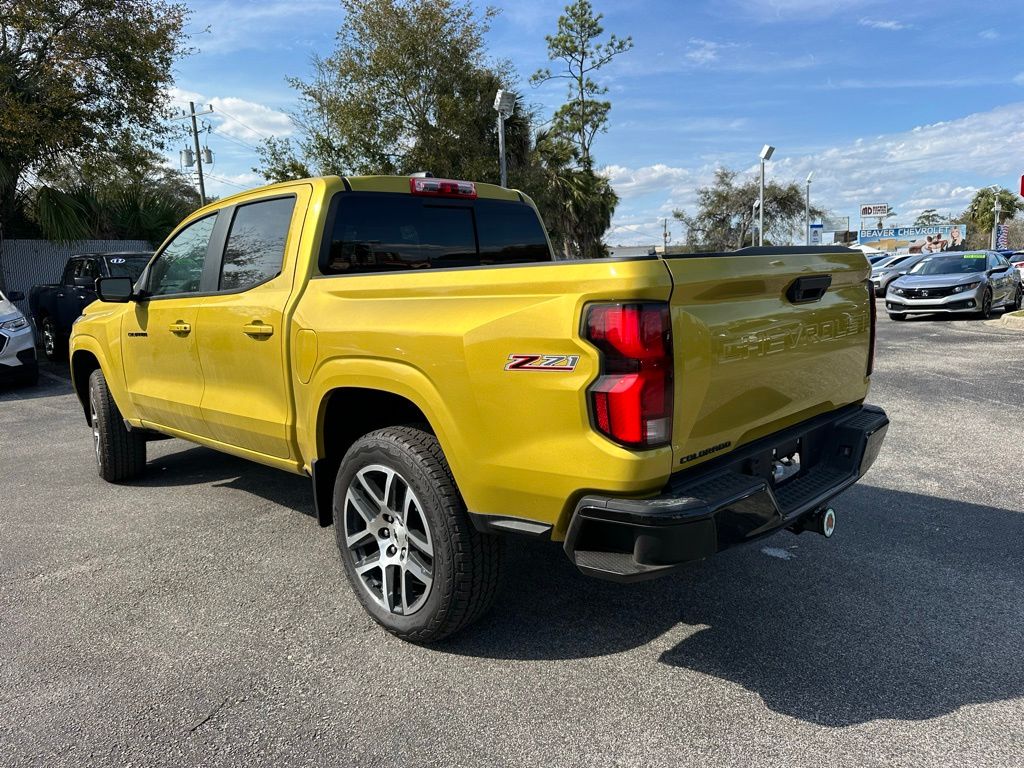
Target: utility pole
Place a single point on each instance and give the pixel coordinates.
(664, 236)
(195, 137)
(199, 158)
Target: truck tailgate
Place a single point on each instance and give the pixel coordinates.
(758, 346)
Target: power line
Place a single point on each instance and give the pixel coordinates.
(235, 140)
(227, 181)
(244, 125)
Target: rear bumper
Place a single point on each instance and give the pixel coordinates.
(726, 502)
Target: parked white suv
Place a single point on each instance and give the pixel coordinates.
(17, 343)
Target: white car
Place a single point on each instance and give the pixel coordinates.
(17, 343)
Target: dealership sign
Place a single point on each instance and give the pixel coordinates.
(942, 237)
(869, 210)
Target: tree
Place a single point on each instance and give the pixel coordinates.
(979, 215)
(724, 216)
(575, 203)
(408, 88)
(577, 45)
(928, 218)
(77, 76)
(126, 192)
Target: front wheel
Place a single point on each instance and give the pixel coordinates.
(53, 345)
(120, 453)
(897, 316)
(416, 563)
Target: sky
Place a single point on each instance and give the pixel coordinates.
(914, 104)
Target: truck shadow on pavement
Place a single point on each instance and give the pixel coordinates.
(197, 464)
(913, 610)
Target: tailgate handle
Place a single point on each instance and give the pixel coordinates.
(808, 289)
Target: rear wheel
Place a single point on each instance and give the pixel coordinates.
(986, 304)
(414, 559)
(120, 452)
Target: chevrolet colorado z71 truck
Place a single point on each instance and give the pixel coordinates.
(411, 346)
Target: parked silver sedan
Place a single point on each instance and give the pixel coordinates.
(885, 271)
(972, 282)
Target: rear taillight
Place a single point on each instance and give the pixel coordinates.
(631, 400)
(443, 188)
(874, 319)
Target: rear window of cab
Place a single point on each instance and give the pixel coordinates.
(385, 232)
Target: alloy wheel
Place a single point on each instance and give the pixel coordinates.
(49, 338)
(388, 537)
(94, 420)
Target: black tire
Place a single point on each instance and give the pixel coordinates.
(986, 305)
(120, 452)
(464, 565)
(55, 346)
(897, 316)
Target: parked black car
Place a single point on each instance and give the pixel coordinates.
(55, 307)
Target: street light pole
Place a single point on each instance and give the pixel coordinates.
(753, 215)
(807, 211)
(766, 154)
(996, 210)
(504, 104)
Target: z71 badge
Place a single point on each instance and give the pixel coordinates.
(542, 362)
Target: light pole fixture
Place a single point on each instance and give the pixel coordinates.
(766, 155)
(807, 210)
(504, 105)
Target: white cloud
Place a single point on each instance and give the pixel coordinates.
(890, 25)
(228, 25)
(988, 34)
(239, 118)
(1019, 79)
(250, 121)
(939, 166)
(704, 51)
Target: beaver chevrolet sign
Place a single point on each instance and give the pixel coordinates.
(942, 237)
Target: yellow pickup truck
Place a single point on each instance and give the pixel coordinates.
(413, 347)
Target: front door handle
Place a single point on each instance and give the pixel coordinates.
(258, 329)
(179, 327)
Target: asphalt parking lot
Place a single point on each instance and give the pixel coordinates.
(200, 616)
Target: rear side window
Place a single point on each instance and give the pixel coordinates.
(378, 232)
(255, 245)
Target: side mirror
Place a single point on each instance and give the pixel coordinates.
(114, 289)
(84, 282)
(1000, 270)
(16, 296)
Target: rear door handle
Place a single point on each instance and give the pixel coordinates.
(258, 329)
(180, 327)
